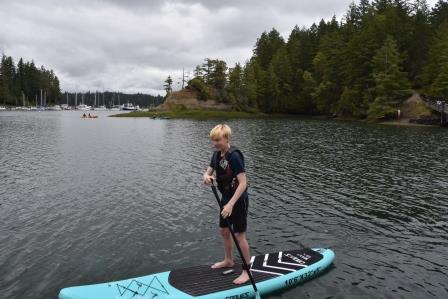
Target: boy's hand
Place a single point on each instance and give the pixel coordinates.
(208, 179)
(227, 210)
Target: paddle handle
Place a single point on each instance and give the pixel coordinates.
(246, 266)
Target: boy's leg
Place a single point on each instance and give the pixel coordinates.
(244, 245)
(228, 249)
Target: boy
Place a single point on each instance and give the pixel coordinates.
(228, 163)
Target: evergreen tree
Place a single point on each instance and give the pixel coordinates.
(272, 99)
(281, 67)
(440, 85)
(217, 75)
(437, 56)
(439, 13)
(8, 74)
(168, 85)
(420, 38)
(249, 84)
(266, 46)
(364, 8)
(392, 85)
(235, 91)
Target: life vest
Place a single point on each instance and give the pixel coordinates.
(227, 181)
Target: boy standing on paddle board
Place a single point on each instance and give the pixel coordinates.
(228, 164)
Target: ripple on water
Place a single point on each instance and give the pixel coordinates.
(85, 202)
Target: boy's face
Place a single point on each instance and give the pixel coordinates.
(220, 144)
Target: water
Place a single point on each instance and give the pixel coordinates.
(87, 201)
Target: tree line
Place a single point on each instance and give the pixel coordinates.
(364, 65)
(24, 83)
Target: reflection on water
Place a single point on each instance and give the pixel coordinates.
(91, 201)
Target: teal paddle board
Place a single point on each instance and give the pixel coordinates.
(271, 271)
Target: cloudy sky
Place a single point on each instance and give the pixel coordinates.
(133, 45)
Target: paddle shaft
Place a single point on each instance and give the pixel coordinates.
(246, 267)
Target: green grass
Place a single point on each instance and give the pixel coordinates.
(192, 114)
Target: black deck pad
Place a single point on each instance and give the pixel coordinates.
(202, 280)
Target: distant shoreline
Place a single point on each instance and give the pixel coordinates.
(192, 114)
(225, 114)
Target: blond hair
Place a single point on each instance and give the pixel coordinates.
(220, 131)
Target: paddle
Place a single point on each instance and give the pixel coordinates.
(246, 267)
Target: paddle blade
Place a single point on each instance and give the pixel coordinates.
(257, 295)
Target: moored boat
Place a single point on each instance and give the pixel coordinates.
(83, 107)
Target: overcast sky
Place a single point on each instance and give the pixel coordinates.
(133, 45)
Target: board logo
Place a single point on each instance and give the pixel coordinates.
(300, 259)
(240, 296)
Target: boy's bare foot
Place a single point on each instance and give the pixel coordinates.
(243, 278)
(223, 264)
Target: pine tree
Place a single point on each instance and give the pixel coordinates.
(437, 56)
(168, 85)
(439, 14)
(235, 88)
(272, 96)
(281, 66)
(266, 47)
(217, 76)
(304, 102)
(302, 46)
(348, 105)
(8, 74)
(364, 8)
(249, 82)
(420, 38)
(440, 85)
(392, 85)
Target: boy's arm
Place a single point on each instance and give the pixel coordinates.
(207, 177)
(242, 185)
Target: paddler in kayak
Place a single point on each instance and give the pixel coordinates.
(228, 164)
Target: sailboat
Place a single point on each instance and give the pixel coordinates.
(99, 107)
(83, 107)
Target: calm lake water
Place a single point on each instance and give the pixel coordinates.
(88, 201)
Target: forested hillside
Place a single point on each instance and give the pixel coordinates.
(363, 65)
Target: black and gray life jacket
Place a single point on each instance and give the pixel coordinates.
(227, 181)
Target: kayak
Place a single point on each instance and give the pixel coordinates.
(271, 271)
(91, 117)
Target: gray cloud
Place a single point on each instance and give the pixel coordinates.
(133, 45)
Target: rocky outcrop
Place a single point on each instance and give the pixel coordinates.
(415, 110)
(415, 107)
